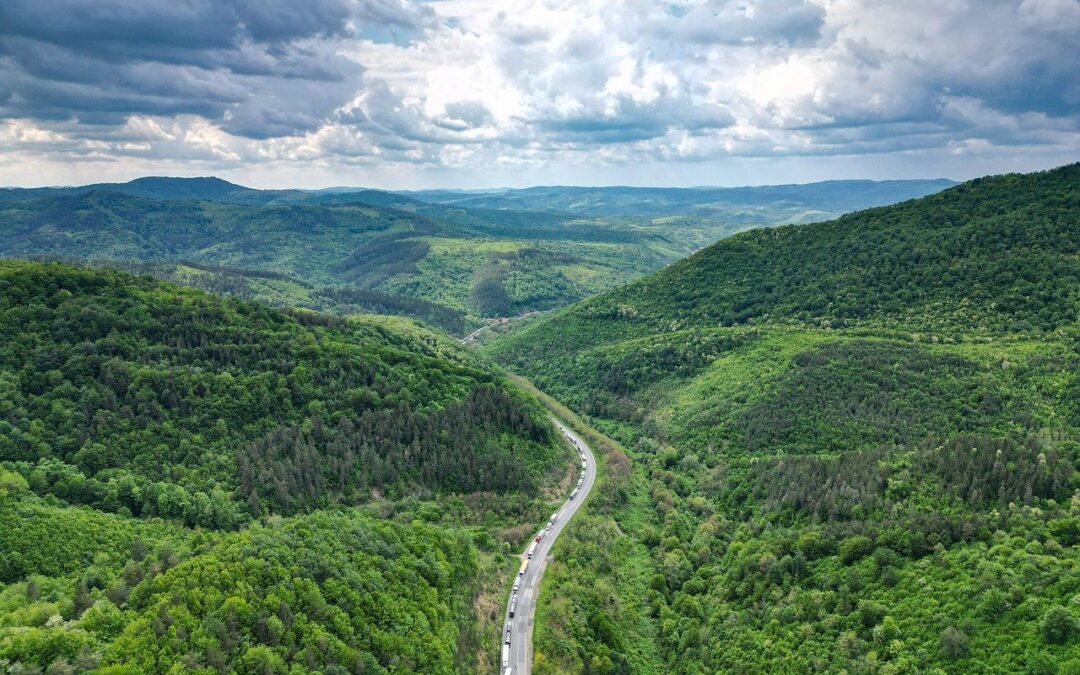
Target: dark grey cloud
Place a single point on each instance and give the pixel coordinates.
(260, 68)
(472, 83)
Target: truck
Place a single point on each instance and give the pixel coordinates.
(573, 494)
(521, 570)
(506, 656)
(532, 548)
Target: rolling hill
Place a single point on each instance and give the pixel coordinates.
(855, 444)
(191, 483)
(363, 250)
(464, 266)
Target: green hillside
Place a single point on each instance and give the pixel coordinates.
(444, 265)
(370, 251)
(855, 443)
(190, 483)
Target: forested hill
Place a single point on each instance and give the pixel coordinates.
(207, 188)
(197, 484)
(854, 445)
(444, 265)
(997, 254)
(346, 251)
(132, 394)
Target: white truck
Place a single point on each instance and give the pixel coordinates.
(532, 548)
(506, 656)
(573, 494)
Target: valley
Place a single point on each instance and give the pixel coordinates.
(534, 337)
(837, 446)
(367, 251)
(853, 444)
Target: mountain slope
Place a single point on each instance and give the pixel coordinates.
(994, 254)
(206, 188)
(849, 437)
(169, 387)
(197, 484)
(347, 250)
(469, 264)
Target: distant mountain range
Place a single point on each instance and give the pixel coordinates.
(758, 204)
(452, 258)
(764, 204)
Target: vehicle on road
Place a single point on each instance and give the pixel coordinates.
(528, 584)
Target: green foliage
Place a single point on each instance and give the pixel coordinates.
(854, 441)
(154, 436)
(344, 252)
(1058, 625)
(137, 397)
(311, 594)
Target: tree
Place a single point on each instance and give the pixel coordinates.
(1058, 626)
(954, 644)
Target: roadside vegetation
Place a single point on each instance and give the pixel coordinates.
(855, 443)
(196, 484)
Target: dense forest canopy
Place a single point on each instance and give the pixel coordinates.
(402, 256)
(190, 483)
(136, 396)
(345, 251)
(856, 446)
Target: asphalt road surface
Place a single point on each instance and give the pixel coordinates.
(521, 626)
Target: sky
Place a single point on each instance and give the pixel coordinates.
(405, 94)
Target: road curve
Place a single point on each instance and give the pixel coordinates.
(471, 337)
(521, 625)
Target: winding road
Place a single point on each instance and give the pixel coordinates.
(471, 337)
(521, 625)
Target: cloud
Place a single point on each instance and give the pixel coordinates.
(536, 85)
(258, 69)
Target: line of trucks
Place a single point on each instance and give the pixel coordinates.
(518, 580)
(507, 669)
